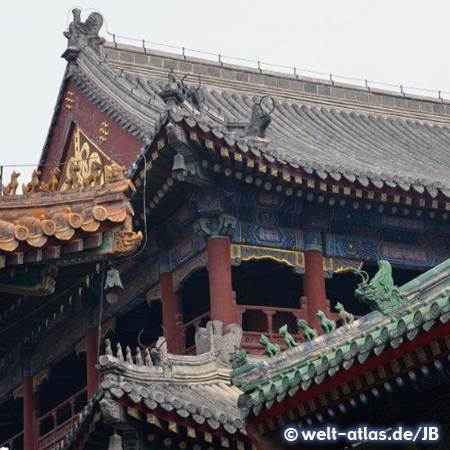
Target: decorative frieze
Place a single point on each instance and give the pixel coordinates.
(210, 227)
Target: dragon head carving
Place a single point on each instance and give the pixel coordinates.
(381, 294)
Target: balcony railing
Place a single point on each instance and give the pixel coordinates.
(14, 443)
(257, 320)
(53, 426)
(189, 329)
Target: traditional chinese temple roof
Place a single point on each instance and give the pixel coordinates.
(194, 387)
(45, 238)
(164, 390)
(401, 315)
(339, 131)
(199, 392)
(43, 226)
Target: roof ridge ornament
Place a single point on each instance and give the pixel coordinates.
(381, 294)
(86, 33)
(260, 119)
(174, 91)
(223, 345)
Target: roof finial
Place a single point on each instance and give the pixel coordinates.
(260, 119)
(83, 32)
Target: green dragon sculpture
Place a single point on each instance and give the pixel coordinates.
(380, 293)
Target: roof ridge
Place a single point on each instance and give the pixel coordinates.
(233, 76)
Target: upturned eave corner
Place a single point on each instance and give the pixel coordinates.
(81, 34)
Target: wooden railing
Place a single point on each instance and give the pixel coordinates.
(54, 425)
(256, 320)
(189, 329)
(14, 443)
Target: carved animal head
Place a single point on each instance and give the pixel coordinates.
(36, 174)
(381, 293)
(339, 307)
(264, 340)
(55, 172)
(320, 315)
(283, 329)
(15, 175)
(302, 323)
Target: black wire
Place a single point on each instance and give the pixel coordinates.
(69, 289)
(100, 314)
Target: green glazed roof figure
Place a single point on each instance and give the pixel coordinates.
(270, 349)
(327, 325)
(380, 293)
(308, 333)
(239, 359)
(288, 339)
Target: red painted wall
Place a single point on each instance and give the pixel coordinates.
(120, 144)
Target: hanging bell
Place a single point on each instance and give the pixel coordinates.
(115, 442)
(113, 285)
(178, 164)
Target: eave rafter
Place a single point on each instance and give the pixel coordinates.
(406, 332)
(43, 226)
(217, 155)
(381, 375)
(255, 167)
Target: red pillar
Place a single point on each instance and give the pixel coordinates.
(91, 360)
(220, 284)
(29, 408)
(172, 312)
(314, 280)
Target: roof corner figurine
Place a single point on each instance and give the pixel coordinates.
(288, 339)
(270, 349)
(87, 31)
(239, 359)
(345, 316)
(33, 185)
(327, 325)
(308, 333)
(11, 187)
(260, 119)
(380, 293)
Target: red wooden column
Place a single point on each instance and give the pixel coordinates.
(223, 307)
(172, 312)
(314, 280)
(217, 231)
(29, 408)
(91, 359)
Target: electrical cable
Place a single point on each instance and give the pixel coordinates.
(66, 291)
(330, 76)
(100, 314)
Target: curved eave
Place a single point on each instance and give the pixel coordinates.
(367, 343)
(247, 158)
(42, 221)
